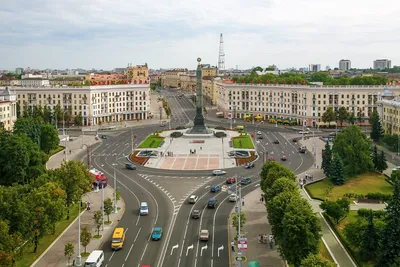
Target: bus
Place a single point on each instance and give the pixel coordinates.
(99, 176)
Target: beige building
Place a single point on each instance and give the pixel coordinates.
(8, 108)
(300, 103)
(138, 73)
(210, 89)
(188, 82)
(96, 104)
(389, 112)
(172, 78)
(209, 71)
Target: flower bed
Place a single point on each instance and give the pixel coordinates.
(242, 161)
(138, 160)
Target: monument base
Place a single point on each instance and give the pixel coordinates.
(199, 127)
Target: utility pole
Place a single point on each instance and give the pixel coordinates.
(115, 187)
(239, 225)
(314, 150)
(78, 258)
(102, 205)
(160, 113)
(132, 139)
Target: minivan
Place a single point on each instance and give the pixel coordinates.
(144, 208)
(118, 238)
(95, 259)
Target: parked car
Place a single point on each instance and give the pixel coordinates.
(156, 234)
(215, 188)
(276, 142)
(218, 172)
(245, 181)
(271, 159)
(283, 158)
(212, 203)
(249, 165)
(193, 199)
(130, 166)
(231, 180)
(204, 235)
(196, 214)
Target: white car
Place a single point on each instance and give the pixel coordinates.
(218, 172)
(303, 132)
(144, 208)
(193, 199)
(233, 197)
(259, 133)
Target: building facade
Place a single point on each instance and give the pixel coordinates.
(8, 108)
(171, 78)
(209, 71)
(302, 104)
(314, 67)
(381, 64)
(389, 112)
(188, 82)
(345, 65)
(34, 83)
(96, 104)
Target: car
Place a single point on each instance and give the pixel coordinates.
(303, 132)
(156, 234)
(259, 133)
(218, 172)
(245, 181)
(249, 165)
(215, 188)
(144, 208)
(212, 203)
(294, 140)
(204, 235)
(104, 136)
(271, 159)
(196, 214)
(276, 142)
(130, 166)
(231, 180)
(302, 149)
(283, 158)
(260, 137)
(233, 197)
(193, 199)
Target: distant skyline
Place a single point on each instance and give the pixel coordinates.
(106, 34)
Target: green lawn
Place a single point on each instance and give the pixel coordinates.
(28, 257)
(363, 184)
(152, 141)
(54, 151)
(243, 141)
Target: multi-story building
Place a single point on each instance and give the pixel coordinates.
(300, 103)
(389, 112)
(345, 65)
(33, 83)
(188, 81)
(100, 77)
(210, 89)
(381, 64)
(137, 72)
(19, 71)
(6, 80)
(171, 78)
(209, 71)
(314, 67)
(96, 104)
(8, 108)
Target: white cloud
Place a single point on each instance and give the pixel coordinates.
(111, 33)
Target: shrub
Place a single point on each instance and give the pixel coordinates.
(365, 212)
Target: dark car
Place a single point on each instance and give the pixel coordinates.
(104, 136)
(249, 165)
(196, 214)
(212, 203)
(231, 180)
(130, 166)
(215, 188)
(245, 181)
(294, 140)
(276, 142)
(260, 137)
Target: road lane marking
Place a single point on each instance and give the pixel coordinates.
(203, 248)
(137, 235)
(144, 251)
(111, 255)
(189, 248)
(129, 252)
(174, 247)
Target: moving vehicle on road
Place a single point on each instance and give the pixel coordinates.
(303, 132)
(215, 189)
(283, 158)
(95, 259)
(276, 142)
(233, 197)
(212, 203)
(259, 133)
(130, 166)
(249, 165)
(144, 208)
(302, 149)
(104, 136)
(156, 234)
(196, 214)
(260, 137)
(193, 199)
(245, 181)
(218, 172)
(118, 238)
(231, 180)
(294, 140)
(204, 235)
(240, 128)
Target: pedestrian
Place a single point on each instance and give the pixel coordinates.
(262, 198)
(271, 245)
(233, 246)
(201, 148)
(243, 201)
(259, 239)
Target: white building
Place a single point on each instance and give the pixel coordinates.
(96, 104)
(314, 67)
(300, 103)
(8, 108)
(345, 65)
(381, 64)
(34, 83)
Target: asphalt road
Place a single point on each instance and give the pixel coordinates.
(166, 192)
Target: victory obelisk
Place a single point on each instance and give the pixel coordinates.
(199, 127)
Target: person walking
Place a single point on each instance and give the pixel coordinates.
(259, 239)
(242, 201)
(233, 246)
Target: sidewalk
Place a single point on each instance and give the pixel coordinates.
(54, 255)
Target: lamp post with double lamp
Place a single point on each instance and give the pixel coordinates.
(78, 258)
(65, 142)
(115, 189)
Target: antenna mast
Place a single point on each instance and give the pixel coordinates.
(221, 57)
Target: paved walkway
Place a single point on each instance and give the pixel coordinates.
(54, 255)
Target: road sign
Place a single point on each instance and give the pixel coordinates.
(242, 243)
(241, 258)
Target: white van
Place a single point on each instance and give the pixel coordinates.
(144, 208)
(95, 259)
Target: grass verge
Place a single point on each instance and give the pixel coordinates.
(55, 151)
(362, 184)
(242, 141)
(152, 141)
(324, 252)
(28, 257)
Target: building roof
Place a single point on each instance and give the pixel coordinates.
(6, 92)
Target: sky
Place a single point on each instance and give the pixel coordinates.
(107, 34)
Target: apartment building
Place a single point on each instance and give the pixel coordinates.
(381, 64)
(96, 104)
(33, 83)
(171, 78)
(8, 108)
(389, 112)
(344, 65)
(208, 71)
(188, 81)
(314, 67)
(301, 103)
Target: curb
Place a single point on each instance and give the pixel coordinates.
(229, 243)
(53, 156)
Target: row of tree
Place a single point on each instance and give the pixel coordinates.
(31, 210)
(327, 79)
(295, 226)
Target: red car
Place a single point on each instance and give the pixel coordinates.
(283, 158)
(231, 180)
(271, 159)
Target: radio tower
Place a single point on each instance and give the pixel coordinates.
(221, 57)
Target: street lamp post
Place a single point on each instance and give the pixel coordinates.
(115, 190)
(132, 139)
(102, 206)
(239, 258)
(78, 258)
(65, 142)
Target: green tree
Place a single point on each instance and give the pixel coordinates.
(327, 159)
(86, 237)
(353, 147)
(108, 207)
(354, 231)
(271, 171)
(49, 138)
(390, 244)
(300, 232)
(47, 114)
(57, 114)
(235, 221)
(29, 126)
(376, 127)
(78, 120)
(69, 251)
(342, 115)
(314, 260)
(281, 185)
(98, 220)
(370, 244)
(351, 119)
(395, 176)
(375, 157)
(8, 244)
(337, 175)
(75, 180)
(7, 259)
(381, 163)
(329, 115)
(337, 210)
